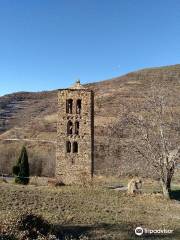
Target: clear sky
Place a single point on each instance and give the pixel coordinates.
(48, 44)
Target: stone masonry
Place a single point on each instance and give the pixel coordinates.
(75, 134)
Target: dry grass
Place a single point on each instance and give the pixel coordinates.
(92, 211)
(51, 118)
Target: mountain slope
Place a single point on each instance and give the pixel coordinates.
(33, 116)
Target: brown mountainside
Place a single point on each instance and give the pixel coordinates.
(27, 115)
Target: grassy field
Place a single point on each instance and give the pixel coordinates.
(92, 212)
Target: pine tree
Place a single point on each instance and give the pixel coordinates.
(21, 169)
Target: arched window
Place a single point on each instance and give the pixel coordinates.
(69, 128)
(78, 106)
(77, 128)
(68, 146)
(75, 147)
(69, 106)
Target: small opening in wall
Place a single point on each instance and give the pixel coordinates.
(77, 128)
(69, 127)
(68, 146)
(75, 147)
(69, 106)
(78, 106)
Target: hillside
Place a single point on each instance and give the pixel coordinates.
(33, 116)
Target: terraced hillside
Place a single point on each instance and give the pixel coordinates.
(33, 116)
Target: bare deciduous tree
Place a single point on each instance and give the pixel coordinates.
(155, 133)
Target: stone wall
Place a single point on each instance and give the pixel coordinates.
(75, 167)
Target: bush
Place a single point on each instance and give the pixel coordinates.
(16, 170)
(21, 169)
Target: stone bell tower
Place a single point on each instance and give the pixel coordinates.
(75, 134)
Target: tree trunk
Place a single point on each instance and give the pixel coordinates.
(165, 189)
(169, 184)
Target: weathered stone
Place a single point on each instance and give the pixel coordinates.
(75, 134)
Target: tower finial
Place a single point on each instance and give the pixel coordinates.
(77, 85)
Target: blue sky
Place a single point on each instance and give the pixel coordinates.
(48, 44)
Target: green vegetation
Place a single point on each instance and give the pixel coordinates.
(21, 169)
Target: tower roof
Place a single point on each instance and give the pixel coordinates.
(77, 85)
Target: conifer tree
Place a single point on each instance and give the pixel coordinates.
(21, 169)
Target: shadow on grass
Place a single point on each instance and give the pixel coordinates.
(100, 231)
(7, 237)
(34, 225)
(105, 231)
(175, 194)
(75, 232)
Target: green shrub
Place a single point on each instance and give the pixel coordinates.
(21, 169)
(16, 170)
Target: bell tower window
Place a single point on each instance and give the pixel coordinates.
(78, 106)
(75, 147)
(69, 128)
(69, 106)
(68, 146)
(77, 128)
